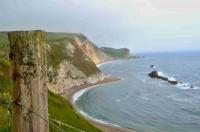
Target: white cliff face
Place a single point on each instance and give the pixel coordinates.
(75, 65)
(69, 76)
(94, 53)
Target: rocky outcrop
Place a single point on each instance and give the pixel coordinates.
(96, 54)
(154, 74)
(69, 66)
(69, 76)
(152, 66)
(171, 80)
(71, 59)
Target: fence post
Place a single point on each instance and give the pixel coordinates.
(28, 59)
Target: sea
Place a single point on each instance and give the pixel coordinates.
(144, 104)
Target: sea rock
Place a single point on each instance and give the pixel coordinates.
(173, 82)
(154, 74)
(152, 66)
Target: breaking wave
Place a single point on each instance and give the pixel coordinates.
(181, 85)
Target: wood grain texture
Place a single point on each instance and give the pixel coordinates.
(28, 57)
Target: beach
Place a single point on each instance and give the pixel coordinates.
(69, 93)
(147, 104)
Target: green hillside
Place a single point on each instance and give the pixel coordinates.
(116, 53)
(51, 36)
(59, 108)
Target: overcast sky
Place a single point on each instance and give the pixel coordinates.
(141, 25)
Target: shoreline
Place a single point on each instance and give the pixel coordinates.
(104, 126)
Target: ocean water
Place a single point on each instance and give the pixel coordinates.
(144, 104)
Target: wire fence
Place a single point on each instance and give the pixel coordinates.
(50, 121)
(61, 123)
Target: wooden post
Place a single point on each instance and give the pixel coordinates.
(28, 59)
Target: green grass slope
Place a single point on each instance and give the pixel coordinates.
(3, 44)
(51, 36)
(5, 85)
(61, 110)
(116, 53)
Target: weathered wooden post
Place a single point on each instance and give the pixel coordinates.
(28, 58)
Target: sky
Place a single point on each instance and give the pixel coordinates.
(140, 25)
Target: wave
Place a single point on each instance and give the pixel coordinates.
(186, 86)
(77, 95)
(179, 99)
(181, 85)
(170, 78)
(123, 98)
(141, 78)
(96, 120)
(75, 98)
(99, 65)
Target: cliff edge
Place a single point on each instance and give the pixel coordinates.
(71, 59)
(69, 66)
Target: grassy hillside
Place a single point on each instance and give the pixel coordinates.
(5, 85)
(51, 36)
(3, 44)
(116, 53)
(59, 108)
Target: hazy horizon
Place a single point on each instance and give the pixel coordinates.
(140, 25)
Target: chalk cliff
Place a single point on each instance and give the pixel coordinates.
(69, 66)
(91, 50)
(71, 59)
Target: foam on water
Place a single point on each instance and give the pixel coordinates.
(99, 65)
(96, 120)
(186, 86)
(121, 99)
(170, 78)
(144, 104)
(77, 95)
(178, 99)
(181, 85)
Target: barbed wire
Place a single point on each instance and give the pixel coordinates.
(30, 110)
(40, 116)
(67, 125)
